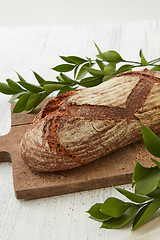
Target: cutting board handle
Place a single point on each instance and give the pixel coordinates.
(5, 157)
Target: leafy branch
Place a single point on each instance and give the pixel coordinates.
(144, 201)
(87, 72)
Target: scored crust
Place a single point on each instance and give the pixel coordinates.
(80, 126)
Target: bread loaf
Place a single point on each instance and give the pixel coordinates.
(80, 126)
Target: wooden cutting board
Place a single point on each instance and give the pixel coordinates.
(113, 169)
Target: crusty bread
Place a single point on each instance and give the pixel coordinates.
(78, 127)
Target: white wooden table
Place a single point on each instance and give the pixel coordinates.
(23, 49)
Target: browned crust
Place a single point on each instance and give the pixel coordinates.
(52, 113)
(57, 112)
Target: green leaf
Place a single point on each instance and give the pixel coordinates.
(53, 87)
(90, 81)
(66, 89)
(64, 68)
(14, 86)
(139, 214)
(100, 64)
(156, 162)
(77, 60)
(15, 96)
(114, 207)
(149, 183)
(100, 55)
(21, 78)
(108, 77)
(94, 72)
(42, 96)
(112, 64)
(151, 208)
(109, 69)
(66, 59)
(115, 223)
(98, 49)
(125, 68)
(31, 87)
(155, 193)
(75, 71)
(156, 68)
(73, 59)
(132, 196)
(21, 104)
(66, 78)
(151, 141)
(55, 82)
(59, 78)
(111, 56)
(32, 100)
(39, 78)
(95, 213)
(82, 72)
(139, 173)
(90, 61)
(4, 88)
(143, 60)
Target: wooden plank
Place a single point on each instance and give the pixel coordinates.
(113, 169)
